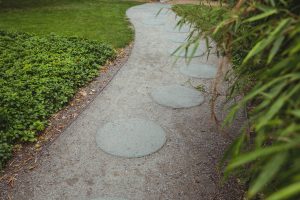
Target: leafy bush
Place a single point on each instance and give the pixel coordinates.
(38, 75)
(262, 37)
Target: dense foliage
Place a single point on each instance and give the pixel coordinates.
(38, 75)
(262, 38)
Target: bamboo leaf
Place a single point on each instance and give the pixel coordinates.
(286, 192)
(261, 16)
(233, 149)
(275, 48)
(263, 7)
(273, 93)
(261, 45)
(290, 129)
(194, 49)
(267, 173)
(271, 112)
(296, 48)
(260, 88)
(276, 107)
(296, 113)
(256, 49)
(246, 158)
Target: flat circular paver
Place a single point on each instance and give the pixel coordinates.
(130, 138)
(108, 198)
(200, 51)
(177, 29)
(153, 22)
(177, 38)
(177, 96)
(199, 70)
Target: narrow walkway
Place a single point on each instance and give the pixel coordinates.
(181, 162)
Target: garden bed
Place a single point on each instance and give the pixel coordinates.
(38, 76)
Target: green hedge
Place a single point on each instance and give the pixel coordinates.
(38, 76)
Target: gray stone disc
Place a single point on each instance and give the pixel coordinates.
(130, 138)
(177, 38)
(153, 22)
(176, 29)
(177, 96)
(199, 70)
(108, 198)
(182, 52)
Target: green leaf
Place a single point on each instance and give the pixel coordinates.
(275, 48)
(292, 128)
(233, 149)
(267, 174)
(261, 16)
(295, 48)
(276, 107)
(246, 158)
(286, 192)
(263, 7)
(194, 49)
(261, 45)
(260, 88)
(231, 115)
(296, 113)
(271, 112)
(273, 92)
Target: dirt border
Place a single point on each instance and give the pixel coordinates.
(26, 156)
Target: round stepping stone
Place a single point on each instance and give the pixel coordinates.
(163, 12)
(199, 70)
(177, 29)
(130, 138)
(108, 198)
(153, 22)
(189, 54)
(177, 38)
(177, 96)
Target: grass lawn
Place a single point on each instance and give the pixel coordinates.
(101, 20)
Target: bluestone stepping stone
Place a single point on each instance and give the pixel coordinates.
(153, 22)
(199, 70)
(177, 38)
(200, 51)
(108, 198)
(130, 138)
(177, 96)
(177, 29)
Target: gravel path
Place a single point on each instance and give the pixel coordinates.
(74, 167)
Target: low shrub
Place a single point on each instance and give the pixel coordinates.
(38, 76)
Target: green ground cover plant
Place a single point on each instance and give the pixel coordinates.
(262, 39)
(38, 76)
(102, 20)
